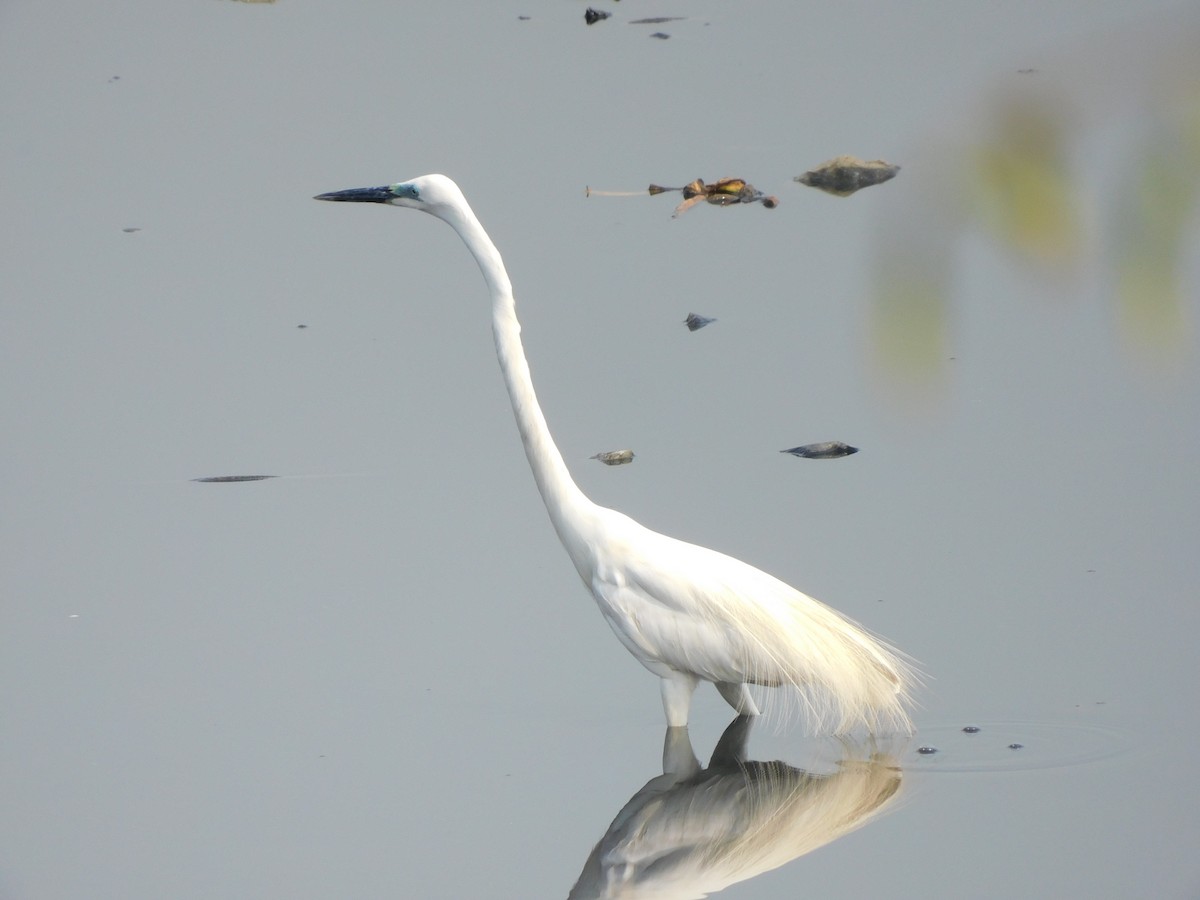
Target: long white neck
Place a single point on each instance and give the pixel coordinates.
(564, 500)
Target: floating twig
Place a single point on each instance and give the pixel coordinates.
(227, 479)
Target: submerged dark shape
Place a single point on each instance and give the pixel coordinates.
(823, 450)
(695, 322)
(614, 457)
(843, 175)
(224, 479)
(722, 192)
(592, 16)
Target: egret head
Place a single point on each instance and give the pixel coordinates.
(434, 194)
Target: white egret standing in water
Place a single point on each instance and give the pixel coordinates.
(688, 614)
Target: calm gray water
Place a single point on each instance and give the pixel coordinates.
(378, 675)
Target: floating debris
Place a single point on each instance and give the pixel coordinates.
(301, 326)
(614, 457)
(695, 322)
(843, 175)
(823, 450)
(592, 16)
(131, 230)
(971, 729)
(927, 751)
(1016, 746)
(662, 36)
(722, 192)
(657, 20)
(225, 479)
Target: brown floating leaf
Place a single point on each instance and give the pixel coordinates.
(824, 450)
(722, 192)
(843, 175)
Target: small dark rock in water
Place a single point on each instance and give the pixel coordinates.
(695, 322)
(660, 35)
(971, 729)
(927, 751)
(823, 450)
(1015, 746)
(843, 175)
(614, 457)
(592, 16)
(223, 479)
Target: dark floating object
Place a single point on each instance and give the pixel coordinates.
(722, 192)
(224, 479)
(131, 230)
(695, 322)
(523, 18)
(1016, 746)
(657, 20)
(843, 175)
(971, 729)
(823, 450)
(301, 326)
(614, 457)
(927, 751)
(592, 16)
(662, 36)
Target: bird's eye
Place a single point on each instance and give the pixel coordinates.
(415, 192)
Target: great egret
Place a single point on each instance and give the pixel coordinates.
(686, 613)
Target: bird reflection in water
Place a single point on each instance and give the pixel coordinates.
(691, 831)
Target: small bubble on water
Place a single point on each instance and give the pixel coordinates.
(927, 751)
(971, 729)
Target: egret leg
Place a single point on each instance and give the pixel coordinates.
(677, 690)
(738, 696)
